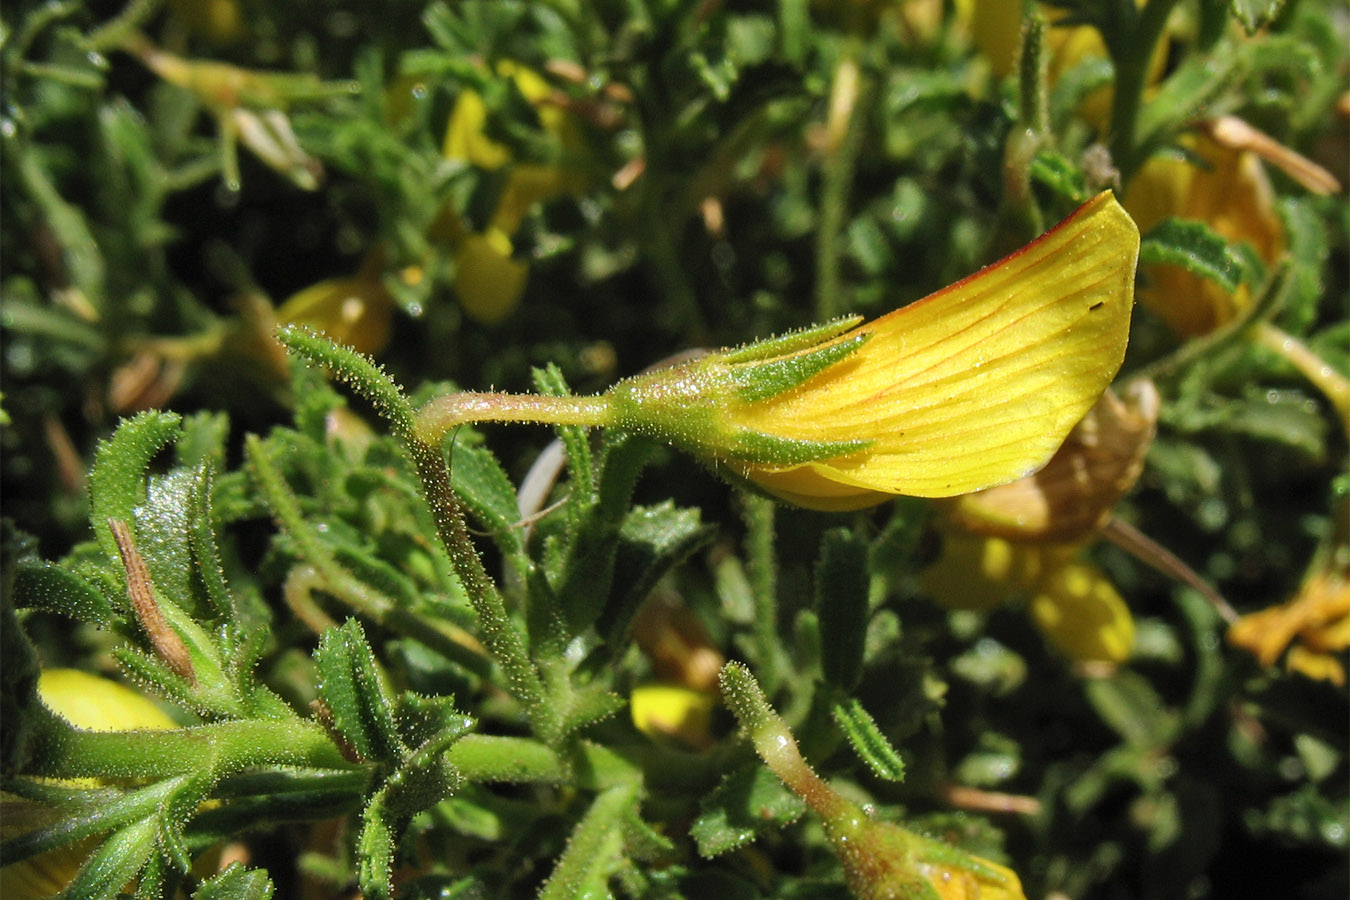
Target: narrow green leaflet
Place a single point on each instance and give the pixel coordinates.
(52, 588)
(841, 603)
(867, 740)
(595, 849)
(353, 691)
(489, 497)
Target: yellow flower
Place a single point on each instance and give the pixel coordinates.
(1080, 612)
(1072, 602)
(974, 386)
(1318, 618)
(94, 704)
(488, 281)
(1228, 190)
(356, 311)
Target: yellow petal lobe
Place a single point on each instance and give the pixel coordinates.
(1079, 611)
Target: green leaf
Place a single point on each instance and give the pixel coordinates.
(114, 863)
(117, 480)
(1309, 249)
(162, 529)
(1054, 170)
(202, 541)
(791, 342)
(653, 540)
(375, 847)
(85, 813)
(51, 588)
(748, 802)
(351, 687)
(1254, 15)
(1198, 249)
(357, 370)
(1130, 705)
(236, 883)
(595, 849)
(996, 759)
(421, 719)
(202, 440)
(488, 495)
(841, 603)
(1285, 417)
(549, 381)
(589, 704)
(868, 741)
(481, 757)
(771, 449)
(584, 589)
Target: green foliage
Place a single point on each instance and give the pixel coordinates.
(398, 664)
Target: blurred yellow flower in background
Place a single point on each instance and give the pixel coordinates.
(1072, 602)
(1314, 626)
(1026, 538)
(1220, 181)
(94, 704)
(1227, 189)
(489, 281)
(1223, 184)
(685, 662)
(671, 711)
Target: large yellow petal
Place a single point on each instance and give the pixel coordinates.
(975, 385)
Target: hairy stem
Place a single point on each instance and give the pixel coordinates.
(440, 416)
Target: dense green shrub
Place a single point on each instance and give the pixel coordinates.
(475, 664)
